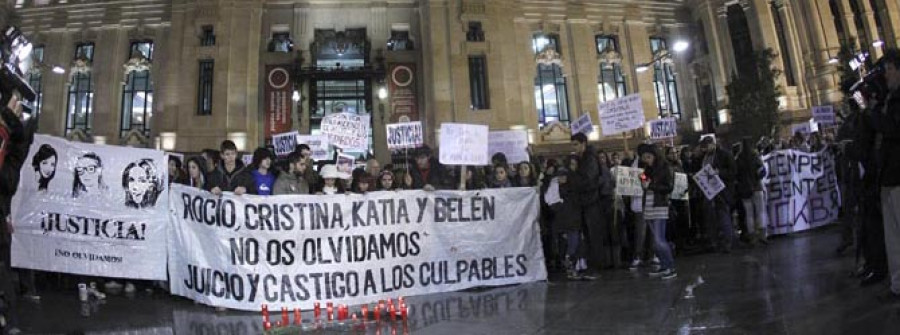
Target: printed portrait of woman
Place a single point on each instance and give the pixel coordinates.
(142, 184)
(88, 176)
(44, 164)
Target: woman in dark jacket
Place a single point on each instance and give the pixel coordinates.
(567, 220)
(658, 182)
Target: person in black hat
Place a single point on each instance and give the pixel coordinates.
(427, 174)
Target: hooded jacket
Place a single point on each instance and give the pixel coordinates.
(228, 182)
(290, 183)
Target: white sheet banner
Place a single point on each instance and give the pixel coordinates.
(347, 131)
(512, 143)
(464, 144)
(405, 135)
(622, 114)
(628, 181)
(318, 146)
(290, 251)
(802, 190)
(285, 143)
(583, 124)
(663, 129)
(709, 182)
(90, 209)
(680, 191)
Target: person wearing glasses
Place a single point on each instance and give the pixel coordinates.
(88, 176)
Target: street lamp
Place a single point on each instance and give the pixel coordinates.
(663, 54)
(382, 93)
(878, 43)
(680, 46)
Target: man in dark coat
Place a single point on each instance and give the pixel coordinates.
(229, 176)
(427, 174)
(718, 210)
(587, 189)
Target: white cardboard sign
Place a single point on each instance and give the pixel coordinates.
(512, 143)
(622, 114)
(464, 144)
(405, 135)
(709, 182)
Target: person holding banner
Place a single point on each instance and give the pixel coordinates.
(427, 174)
(718, 210)
(261, 172)
(196, 176)
(658, 181)
(293, 181)
(501, 177)
(330, 176)
(386, 181)
(228, 177)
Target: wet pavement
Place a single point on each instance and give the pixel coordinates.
(797, 285)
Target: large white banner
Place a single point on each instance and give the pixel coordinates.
(802, 190)
(290, 251)
(512, 143)
(464, 144)
(347, 131)
(91, 209)
(622, 114)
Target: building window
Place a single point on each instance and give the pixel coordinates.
(550, 94)
(281, 42)
(352, 96)
(400, 41)
(205, 88)
(610, 82)
(666, 88)
(79, 111)
(478, 85)
(84, 51)
(542, 41)
(137, 103)
(141, 49)
(34, 80)
(208, 36)
(475, 33)
(786, 62)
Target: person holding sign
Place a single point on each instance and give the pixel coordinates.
(427, 174)
(658, 181)
(717, 212)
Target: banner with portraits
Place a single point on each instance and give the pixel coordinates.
(289, 251)
(91, 209)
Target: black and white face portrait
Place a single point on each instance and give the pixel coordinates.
(142, 184)
(44, 164)
(88, 176)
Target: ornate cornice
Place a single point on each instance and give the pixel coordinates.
(548, 57)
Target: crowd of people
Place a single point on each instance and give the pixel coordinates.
(586, 227)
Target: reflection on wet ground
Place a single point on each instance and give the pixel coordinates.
(795, 286)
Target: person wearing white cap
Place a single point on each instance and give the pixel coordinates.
(330, 175)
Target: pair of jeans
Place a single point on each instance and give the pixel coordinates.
(717, 214)
(640, 233)
(757, 216)
(660, 244)
(890, 205)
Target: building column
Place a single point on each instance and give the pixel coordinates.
(583, 69)
(890, 17)
(639, 52)
(868, 17)
(727, 50)
(762, 26)
(436, 72)
(824, 88)
(847, 18)
(714, 41)
(794, 46)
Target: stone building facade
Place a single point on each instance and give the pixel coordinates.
(184, 74)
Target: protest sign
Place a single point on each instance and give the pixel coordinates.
(285, 143)
(824, 115)
(247, 159)
(318, 146)
(464, 144)
(628, 181)
(622, 114)
(802, 190)
(583, 125)
(663, 129)
(345, 165)
(347, 131)
(512, 143)
(803, 128)
(708, 181)
(289, 251)
(92, 210)
(680, 191)
(405, 135)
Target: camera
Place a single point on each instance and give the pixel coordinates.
(15, 51)
(872, 87)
